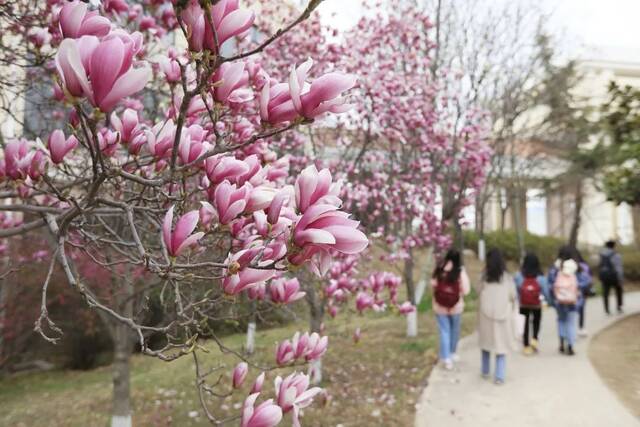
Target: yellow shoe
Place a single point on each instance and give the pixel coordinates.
(528, 351)
(534, 344)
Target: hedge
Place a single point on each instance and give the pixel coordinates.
(507, 241)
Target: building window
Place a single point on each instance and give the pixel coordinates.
(536, 212)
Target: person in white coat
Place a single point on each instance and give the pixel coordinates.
(498, 303)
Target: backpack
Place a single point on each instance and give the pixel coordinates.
(606, 270)
(530, 292)
(565, 288)
(446, 293)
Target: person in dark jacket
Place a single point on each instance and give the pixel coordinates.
(611, 274)
(530, 280)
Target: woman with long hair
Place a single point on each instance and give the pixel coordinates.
(497, 305)
(567, 282)
(449, 284)
(532, 285)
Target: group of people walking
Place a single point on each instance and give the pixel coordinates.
(507, 301)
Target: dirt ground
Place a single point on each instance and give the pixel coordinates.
(620, 369)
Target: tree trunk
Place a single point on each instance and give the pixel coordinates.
(316, 317)
(412, 318)
(121, 415)
(577, 213)
(251, 330)
(423, 284)
(517, 223)
(122, 337)
(635, 217)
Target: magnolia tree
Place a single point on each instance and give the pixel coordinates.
(160, 176)
(410, 159)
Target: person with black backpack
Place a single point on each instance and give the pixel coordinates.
(532, 287)
(611, 274)
(449, 283)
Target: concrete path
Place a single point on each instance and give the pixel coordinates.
(548, 389)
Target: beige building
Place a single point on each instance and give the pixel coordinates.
(551, 212)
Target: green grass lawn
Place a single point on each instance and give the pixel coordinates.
(376, 382)
(379, 386)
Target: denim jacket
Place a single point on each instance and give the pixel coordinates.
(583, 277)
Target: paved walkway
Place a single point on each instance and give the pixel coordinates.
(549, 389)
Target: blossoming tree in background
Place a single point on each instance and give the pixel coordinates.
(158, 176)
(410, 160)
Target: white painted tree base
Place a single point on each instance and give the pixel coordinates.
(315, 371)
(251, 338)
(121, 421)
(482, 250)
(412, 324)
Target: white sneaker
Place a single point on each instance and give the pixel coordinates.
(448, 364)
(583, 332)
(455, 357)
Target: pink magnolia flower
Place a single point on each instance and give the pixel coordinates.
(117, 6)
(285, 353)
(313, 187)
(293, 394)
(229, 78)
(364, 301)
(276, 105)
(323, 227)
(228, 21)
(406, 308)
(240, 374)
(18, 158)
(257, 385)
(259, 198)
(267, 414)
(220, 168)
(257, 292)
(180, 238)
(59, 147)
(128, 126)
(284, 291)
(75, 21)
(229, 201)
(189, 149)
(323, 95)
(245, 279)
(208, 215)
(108, 141)
(101, 70)
(316, 347)
(171, 69)
(160, 139)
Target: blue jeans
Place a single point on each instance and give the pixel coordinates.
(567, 326)
(501, 365)
(449, 328)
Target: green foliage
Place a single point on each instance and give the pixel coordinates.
(621, 123)
(507, 241)
(631, 263)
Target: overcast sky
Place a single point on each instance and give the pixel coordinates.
(592, 29)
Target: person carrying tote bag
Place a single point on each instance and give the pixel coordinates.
(496, 315)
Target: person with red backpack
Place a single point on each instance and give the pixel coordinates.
(567, 282)
(532, 286)
(449, 284)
